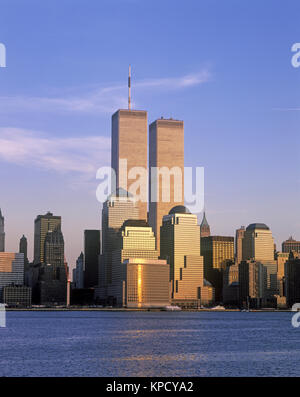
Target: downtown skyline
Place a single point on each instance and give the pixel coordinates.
(54, 135)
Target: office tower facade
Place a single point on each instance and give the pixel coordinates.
(78, 273)
(166, 170)
(2, 233)
(291, 245)
(11, 270)
(292, 279)
(180, 246)
(218, 253)
(204, 227)
(239, 236)
(116, 210)
(54, 248)
(17, 296)
(91, 257)
(135, 240)
(252, 284)
(129, 143)
(258, 243)
(43, 224)
(146, 283)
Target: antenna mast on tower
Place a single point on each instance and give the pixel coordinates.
(129, 88)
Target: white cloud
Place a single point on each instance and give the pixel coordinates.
(83, 155)
(287, 109)
(99, 100)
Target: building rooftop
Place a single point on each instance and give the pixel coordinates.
(179, 209)
(204, 221)
(135, 223)
(254, 226)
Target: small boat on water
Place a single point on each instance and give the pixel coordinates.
(171, 308)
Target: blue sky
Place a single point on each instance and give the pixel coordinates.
(224, 67)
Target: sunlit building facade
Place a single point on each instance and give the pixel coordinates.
(146, 283)
(218, 253)
(129, 142)
(180, 246)
(116, 210)
(166, 170)
(258, 243)
(136, 241)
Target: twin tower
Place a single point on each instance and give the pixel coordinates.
(166, 152)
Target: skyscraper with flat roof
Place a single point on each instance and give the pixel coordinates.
(129, 144)
(166, 170)
(258, 243)
(2, 234)
(42, 225)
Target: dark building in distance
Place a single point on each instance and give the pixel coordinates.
(17, 295)
(91, 257)
(78, 273)
(54, 251)
(291, 245)
(47, 276)
(292, 279)
(239, 236)
(2, 233)
(51, 288)
(252, 284)
(204, 227)
(43, 224)
(23, 250)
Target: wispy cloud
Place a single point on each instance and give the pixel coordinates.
(97, 100)
(82, 155)
(288, 109)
